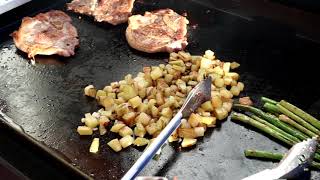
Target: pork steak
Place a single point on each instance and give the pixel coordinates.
(158, 31)
(47, 34)
(111, 11)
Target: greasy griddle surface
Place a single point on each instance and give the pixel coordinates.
(47, 99)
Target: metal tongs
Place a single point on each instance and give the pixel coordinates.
(198, 95)
(295, 162)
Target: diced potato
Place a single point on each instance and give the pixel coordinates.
(129, 118)
(135, 102)
(233, 82)
(151, 103)
(152, 128)
(107, 102)
(156, 73)
(168, 78)
(84, 130)
(125, 131)
(235, 90)
(143, 108)
(219, 82)
(234, 65)
(106, 113)
(100, 93)
(207, 106)
(94, 148)
(226, 94)
(209, 54)
(206, 63)
(139, 130)
(108, 89)
(226, 67)
(194, 120)
(218, 70)
(172, 139)
(122, 109)
(120, 100)
(227, 106)
(240, 86)
(116, 127)
(216, 102)
(102, 130)
(201, 75)
(141, 141)
(127, 92)
(227, 80)
(199, 131)
(91, 122)
(233, 75)
(184, 55)
(112, 95)
(143, 118)
(115, 145)
(90, 91)
(154, 111)
(187, 142)
(221, 113)
(160, 125)
(181, 85)
(164, 120)
(167, 112)
(83, 120)
(126, 141)
(185, 124)
(208, 120)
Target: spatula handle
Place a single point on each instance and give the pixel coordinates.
(153, 148)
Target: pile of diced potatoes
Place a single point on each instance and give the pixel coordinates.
(138, 108)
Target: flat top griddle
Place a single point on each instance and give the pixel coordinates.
(47, 100)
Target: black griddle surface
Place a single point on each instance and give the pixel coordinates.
(47, 99)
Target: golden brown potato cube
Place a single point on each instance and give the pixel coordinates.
(208, 120)
(107, 102)
(129, 118)
(206, 63)
(100, 93)
(199, 131)
(125, 131)
(167, 112)
(156, 73)
(187, 142)
(116, 127)
(108, 89)
(126, 141)
(94, 147)
(160, 125)
(84, 130)
(218, 70)
(209, 54)
(240, 86)
(127, 92)
(122, 109)
(194, 120)
(141, 141)
(164, 120)
(135, 102)
(139, 130)
(207, 106)
(235, 90)
(143, 108)
(151, 128)
(115, 145)
(102, 130)
(119, 101)
(219, 82)
(91, 121)
(143, 118)
(154, 111)
(220, 113)
(172, 139)
(185, 124)
(90, 91)
(234, 65)
(226, 67)
(159, 98)
(112, 95)
(233, 75)
(227, 80)
(227, 106)
(226, 94)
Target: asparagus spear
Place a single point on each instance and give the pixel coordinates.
(274, 128)
(286, 119)
(273, 120)
(297, 119)
(271, 108)
(245, 119)
(272, 156)
(300, 113)
(268, 100)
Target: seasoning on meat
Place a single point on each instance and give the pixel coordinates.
(111, 11)
(47, 34)
(159, 31)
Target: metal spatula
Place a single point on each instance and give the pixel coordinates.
(197, 96)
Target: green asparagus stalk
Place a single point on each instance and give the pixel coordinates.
(272, 156)
(286, 119)
(245, 119)
(297, 119)
(268, 100)
(271, 108)
(273, 120)
(274, 128)
(301, 113)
